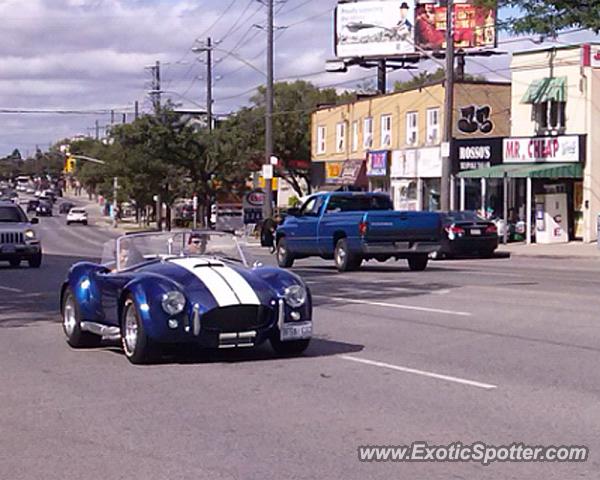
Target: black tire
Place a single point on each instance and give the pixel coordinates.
(345, 261)
(76, 338)
(487, 254)
(290, 348)
(36, 261)
(142, 351)
(15, 262)
(418, 263)
(68, 223)
(85, 222)
(285, 259)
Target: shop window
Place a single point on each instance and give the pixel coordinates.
(321, 136)
(433, 125)
(368, 133)
(550, 116)
(340, 137)
(386, 130)
(412, 129)
(354, 136)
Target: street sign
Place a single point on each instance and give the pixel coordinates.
(253, 205)
(267, 171)
(445, 149)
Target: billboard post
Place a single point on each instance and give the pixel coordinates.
(448, 110)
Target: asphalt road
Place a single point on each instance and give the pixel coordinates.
(499, 351)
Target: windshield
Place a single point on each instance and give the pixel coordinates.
(12, 214)
(132, 250)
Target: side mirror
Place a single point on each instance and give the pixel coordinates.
(293, 212)
(35, 221)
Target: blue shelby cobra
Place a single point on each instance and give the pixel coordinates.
(183, 287)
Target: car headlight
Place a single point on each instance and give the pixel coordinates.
(29, 234)
(173, 302)
(295, 296)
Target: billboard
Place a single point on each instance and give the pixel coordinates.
(388, 28)
(374, 28)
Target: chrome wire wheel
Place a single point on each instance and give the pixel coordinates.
(341, 256)
(69, 316)
(131, 330)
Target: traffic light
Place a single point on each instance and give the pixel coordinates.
(69, 164)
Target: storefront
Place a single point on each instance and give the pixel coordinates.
(378, 170)
(542, 184)
(474, 154)
(415, 178)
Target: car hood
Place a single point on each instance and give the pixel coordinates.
(213, 283)
(13, 226)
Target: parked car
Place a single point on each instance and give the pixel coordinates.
(65, 207)
(191, 287)
(77, 215)
(350, 227)
(466, 233)
(32, 205)
(18, 239)
(44, 209)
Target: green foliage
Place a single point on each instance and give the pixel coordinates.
(293, 202)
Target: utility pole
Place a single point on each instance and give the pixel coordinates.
(115, 203)
(448, 113)
(97, 130)
(157, 86)
(381, 77)
(209, 101)
(268, 204)
(136, 114)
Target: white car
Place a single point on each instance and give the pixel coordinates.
(77, 215)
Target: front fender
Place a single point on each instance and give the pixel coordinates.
(80, 279)
(147, 293)
(279, 279)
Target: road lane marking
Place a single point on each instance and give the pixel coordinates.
(12, 290)
(423, 373)
(398, 306)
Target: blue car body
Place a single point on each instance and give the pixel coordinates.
(227, 304)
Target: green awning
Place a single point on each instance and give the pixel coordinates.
(545, 90)
(533, 170)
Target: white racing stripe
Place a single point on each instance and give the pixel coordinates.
(398, 306)
(226, 285)
(11, 290)
(423, 373)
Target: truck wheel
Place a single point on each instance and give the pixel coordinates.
(418, 263)
(15, 262)
(35, 262)
(284, 258)
(345, 261)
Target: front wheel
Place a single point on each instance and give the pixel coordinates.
(36, 261)
(71, 324)
(345, 261)
(137, 346)
(285, 259)
(289, 348)
(418, 263)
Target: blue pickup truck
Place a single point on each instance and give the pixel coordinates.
(352, 227)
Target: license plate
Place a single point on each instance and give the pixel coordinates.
(297, 331)
(9, 249)
(475, 231)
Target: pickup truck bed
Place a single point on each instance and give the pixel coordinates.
(352, 227)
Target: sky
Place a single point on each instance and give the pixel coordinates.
(92, 56)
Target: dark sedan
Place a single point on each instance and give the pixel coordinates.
(32, 205)
(65, 207)
(466, 233)
(44, 209)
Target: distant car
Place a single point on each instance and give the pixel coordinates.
(44, 209)
(65, 207)
(193, 287)
(18, 239)
(49, 195)
(30, 190)
(77, 215)
(38, 193)
(32, 205)
(466, 233)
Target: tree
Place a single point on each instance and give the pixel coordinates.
(549, 17)
(425, 78)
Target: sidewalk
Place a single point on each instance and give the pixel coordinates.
(96, 214)
(559, 250)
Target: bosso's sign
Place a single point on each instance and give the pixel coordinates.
(542, 149)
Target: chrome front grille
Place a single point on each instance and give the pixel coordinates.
(11, 238)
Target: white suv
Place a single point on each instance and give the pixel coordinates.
(77, 215)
